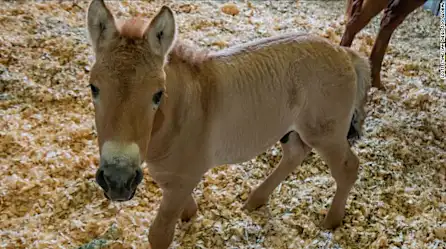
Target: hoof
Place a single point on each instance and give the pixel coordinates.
(331, 224)
(189, 213)
(376, 82)
(186, 218)
(381, 87)
(248, 206)
(254, 203)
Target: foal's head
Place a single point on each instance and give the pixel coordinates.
(127, 83)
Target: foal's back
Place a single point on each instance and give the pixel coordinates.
(271, 86)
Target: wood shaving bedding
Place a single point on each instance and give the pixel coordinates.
(49, 154)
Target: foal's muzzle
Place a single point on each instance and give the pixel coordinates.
(119, 181)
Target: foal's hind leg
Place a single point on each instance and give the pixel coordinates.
(294, 152)
(344, 165)
(190, 209)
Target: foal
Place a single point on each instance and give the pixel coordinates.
(359, 14)
(185, 111)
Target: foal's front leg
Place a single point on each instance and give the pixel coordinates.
(177, 201)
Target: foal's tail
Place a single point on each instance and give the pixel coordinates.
(363, 83)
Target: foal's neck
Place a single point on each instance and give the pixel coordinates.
(197, 82)
(182, 110)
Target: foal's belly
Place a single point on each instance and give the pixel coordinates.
(246, 137)
(235, 151)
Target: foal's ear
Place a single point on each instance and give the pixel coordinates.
(162, 31)
(100, 23)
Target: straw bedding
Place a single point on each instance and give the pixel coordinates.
(48, 196)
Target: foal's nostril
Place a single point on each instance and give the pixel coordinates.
(138, 178)
(100, 179)
(134, 181)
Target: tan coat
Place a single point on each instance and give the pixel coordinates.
(218, 108)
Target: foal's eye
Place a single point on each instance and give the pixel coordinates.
(94, 90)
(157, 98)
